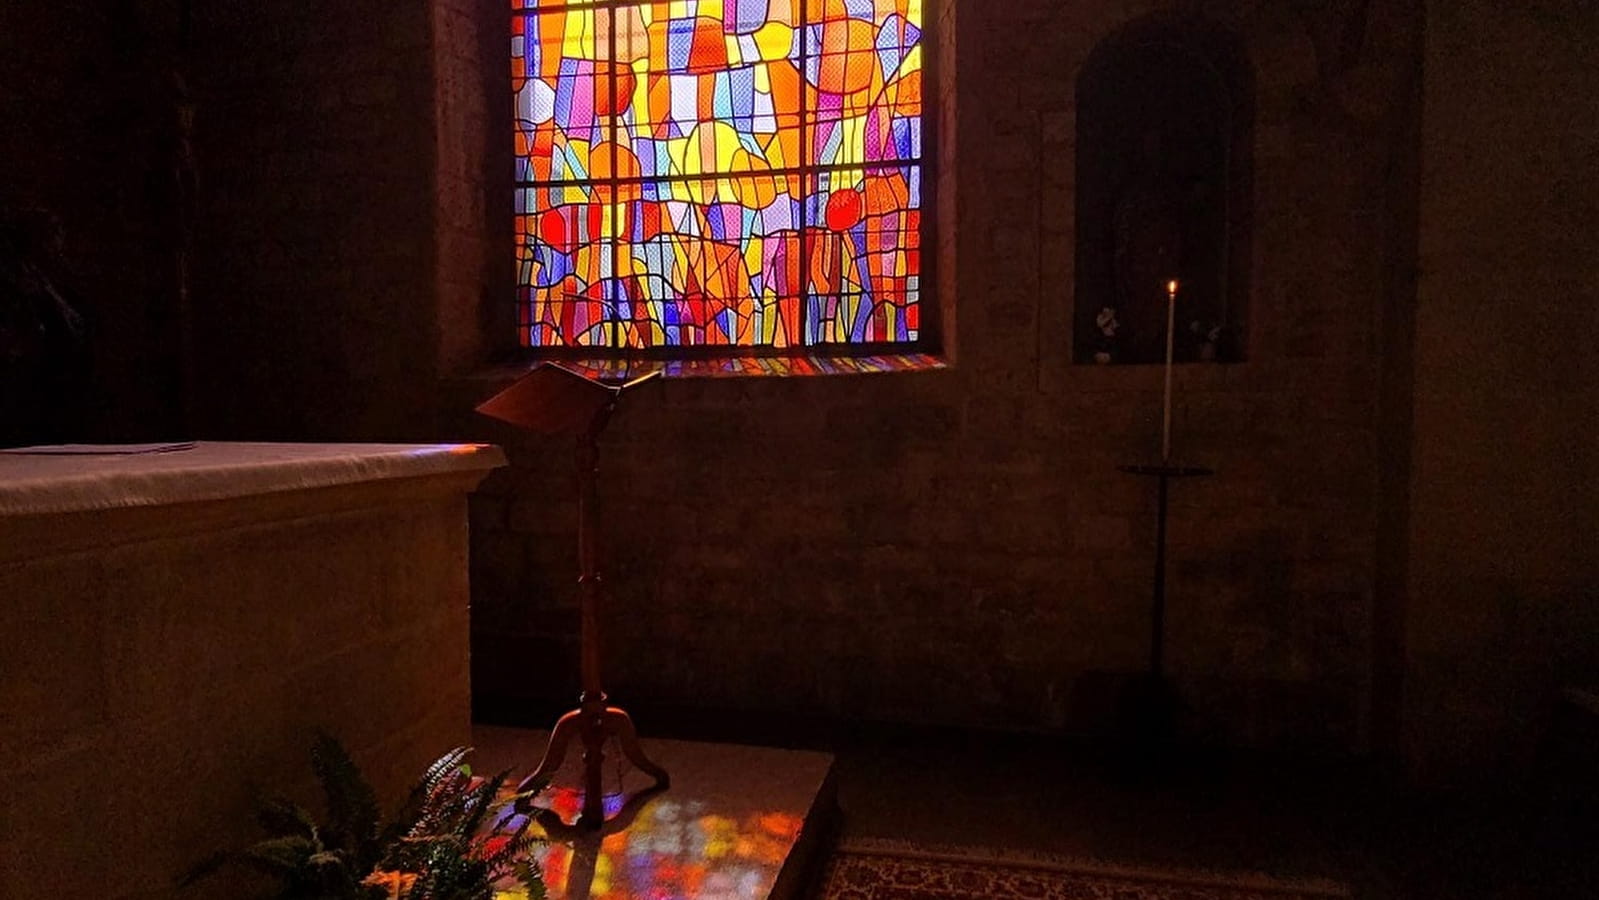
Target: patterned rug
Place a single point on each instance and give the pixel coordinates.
(876, 871)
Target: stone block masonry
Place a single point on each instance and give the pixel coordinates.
(956, 547)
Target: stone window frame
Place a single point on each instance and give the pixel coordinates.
(935, 347)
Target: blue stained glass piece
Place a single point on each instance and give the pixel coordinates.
(902, 137)
(863, 317)
(550, 265)
(722, 96)
(679, 40)
(748, 15)
(741, 85)
(889, 47)
(888, 58)
(564, 86)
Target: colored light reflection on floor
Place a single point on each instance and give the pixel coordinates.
(672, 849)
(737, 823)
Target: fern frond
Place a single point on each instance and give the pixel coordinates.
(279, 816)
(480, 803)
(526, 843)
(453, 876)
(279, 856)
(327, 859)
(446, 765)
(441, 806)
(531, 878)
(456, 838)
(352, 804)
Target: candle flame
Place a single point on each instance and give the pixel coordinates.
(1171, 287)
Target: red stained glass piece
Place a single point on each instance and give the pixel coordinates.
(625, 82)
(552, 228)
(844, 209)
(708, 52)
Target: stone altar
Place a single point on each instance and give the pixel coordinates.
(174, 628)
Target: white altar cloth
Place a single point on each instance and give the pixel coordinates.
(48, 483)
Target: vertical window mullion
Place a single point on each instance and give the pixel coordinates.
(806, 170)
(615, 305)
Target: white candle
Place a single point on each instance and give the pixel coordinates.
(1165, 419)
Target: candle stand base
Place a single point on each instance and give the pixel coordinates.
(1149, 707)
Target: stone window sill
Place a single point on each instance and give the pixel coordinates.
(758, 366)
(723, 367)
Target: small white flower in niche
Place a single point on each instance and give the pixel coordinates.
(1106, 320)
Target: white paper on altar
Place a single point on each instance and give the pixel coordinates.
(33, 483)
(98, 449)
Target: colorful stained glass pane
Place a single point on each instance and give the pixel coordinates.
(718, 172)
(707, 98)
(712, 262)
(864, 256)
(866, 82)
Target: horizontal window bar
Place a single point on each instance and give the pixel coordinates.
(724, 176)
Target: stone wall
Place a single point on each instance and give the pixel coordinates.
(957, 547)
(85, 135)
(951, 546)
(1503, 534)
(317, 280)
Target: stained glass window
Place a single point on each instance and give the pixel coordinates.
(734, 173)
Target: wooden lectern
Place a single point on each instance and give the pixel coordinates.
(552, 399)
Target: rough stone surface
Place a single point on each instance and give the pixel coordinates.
(957, 547)
(1391, 555)
(1503, 568)
(163, 668)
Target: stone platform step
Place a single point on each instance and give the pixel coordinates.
(738, 822)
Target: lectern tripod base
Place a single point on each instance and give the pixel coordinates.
(592, 724)
(554, 400)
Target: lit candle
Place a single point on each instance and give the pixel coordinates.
(1165, 419)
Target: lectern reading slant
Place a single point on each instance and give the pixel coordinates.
(552, 399)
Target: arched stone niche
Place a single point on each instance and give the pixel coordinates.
(1165, 113)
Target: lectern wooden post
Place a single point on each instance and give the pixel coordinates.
(552, 399)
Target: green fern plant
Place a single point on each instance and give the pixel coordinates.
(461, 844)
(453, 838)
